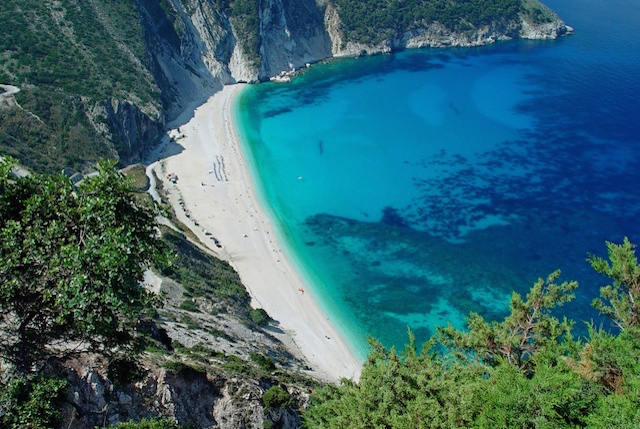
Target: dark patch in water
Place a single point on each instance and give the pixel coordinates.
(392, 217)
(276, 112)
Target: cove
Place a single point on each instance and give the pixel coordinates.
(414, 188)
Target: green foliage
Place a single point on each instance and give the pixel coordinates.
(536, 12)
(88, 52)
(259, 317)
(410, 391)
(147, 424)
(136, 173)
(67, 57)
(276, 397)
(262, 361)
(619, 300)
(71, 263)
(50, 131)
(612, 362)
(373, 22)
(246, 21)
(204, 276)
(554, 397)
(236, 364)
(189, 305)
(524, 372)
(529, 328)
(31, 402)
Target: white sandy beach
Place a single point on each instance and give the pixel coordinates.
(215, 189)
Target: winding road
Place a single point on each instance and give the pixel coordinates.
(7, 90)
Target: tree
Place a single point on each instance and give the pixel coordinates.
(494, 374)
(526, 371)
(72, 260)
(620, 301)
(523, 333)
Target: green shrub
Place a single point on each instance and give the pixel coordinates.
(276, 397)
(262, 361)
(189, 305)
(137, 174)
(31, 402)
(374, 22)
(204, 276)
(189, 372)
(147, 424)
(235, 364)
(259, 317)
(245, 16)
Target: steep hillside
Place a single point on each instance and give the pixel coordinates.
(101, 78)
(193, 350)
(208, 363)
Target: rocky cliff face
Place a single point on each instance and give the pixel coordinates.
(193, 63)
(185, 396)
(436, 35)
(207, 54)
(207, 366)
(292, 34)
(131, 130)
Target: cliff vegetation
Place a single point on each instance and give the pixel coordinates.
(375, 22)
(84, 344)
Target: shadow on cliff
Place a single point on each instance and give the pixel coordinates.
(167, 147)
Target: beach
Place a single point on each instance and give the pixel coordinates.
(209, 186)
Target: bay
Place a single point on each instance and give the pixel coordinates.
(416, 187)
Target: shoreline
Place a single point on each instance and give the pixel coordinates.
(211, 190)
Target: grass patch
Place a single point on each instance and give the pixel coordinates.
(137, 174)
(262, 361)
(189, 305)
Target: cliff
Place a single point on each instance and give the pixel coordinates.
(528, 20)
(127, 67)
(291, 34)
(207, 363)
(181, 394)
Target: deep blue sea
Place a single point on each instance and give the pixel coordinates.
(414, 188)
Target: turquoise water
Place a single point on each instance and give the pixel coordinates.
(416, 187)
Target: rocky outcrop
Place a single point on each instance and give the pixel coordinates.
(186, 396)
(131, 131)
(292, 34)
(7, 98)
(547, 30)
(436, 35)
(295, 33)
